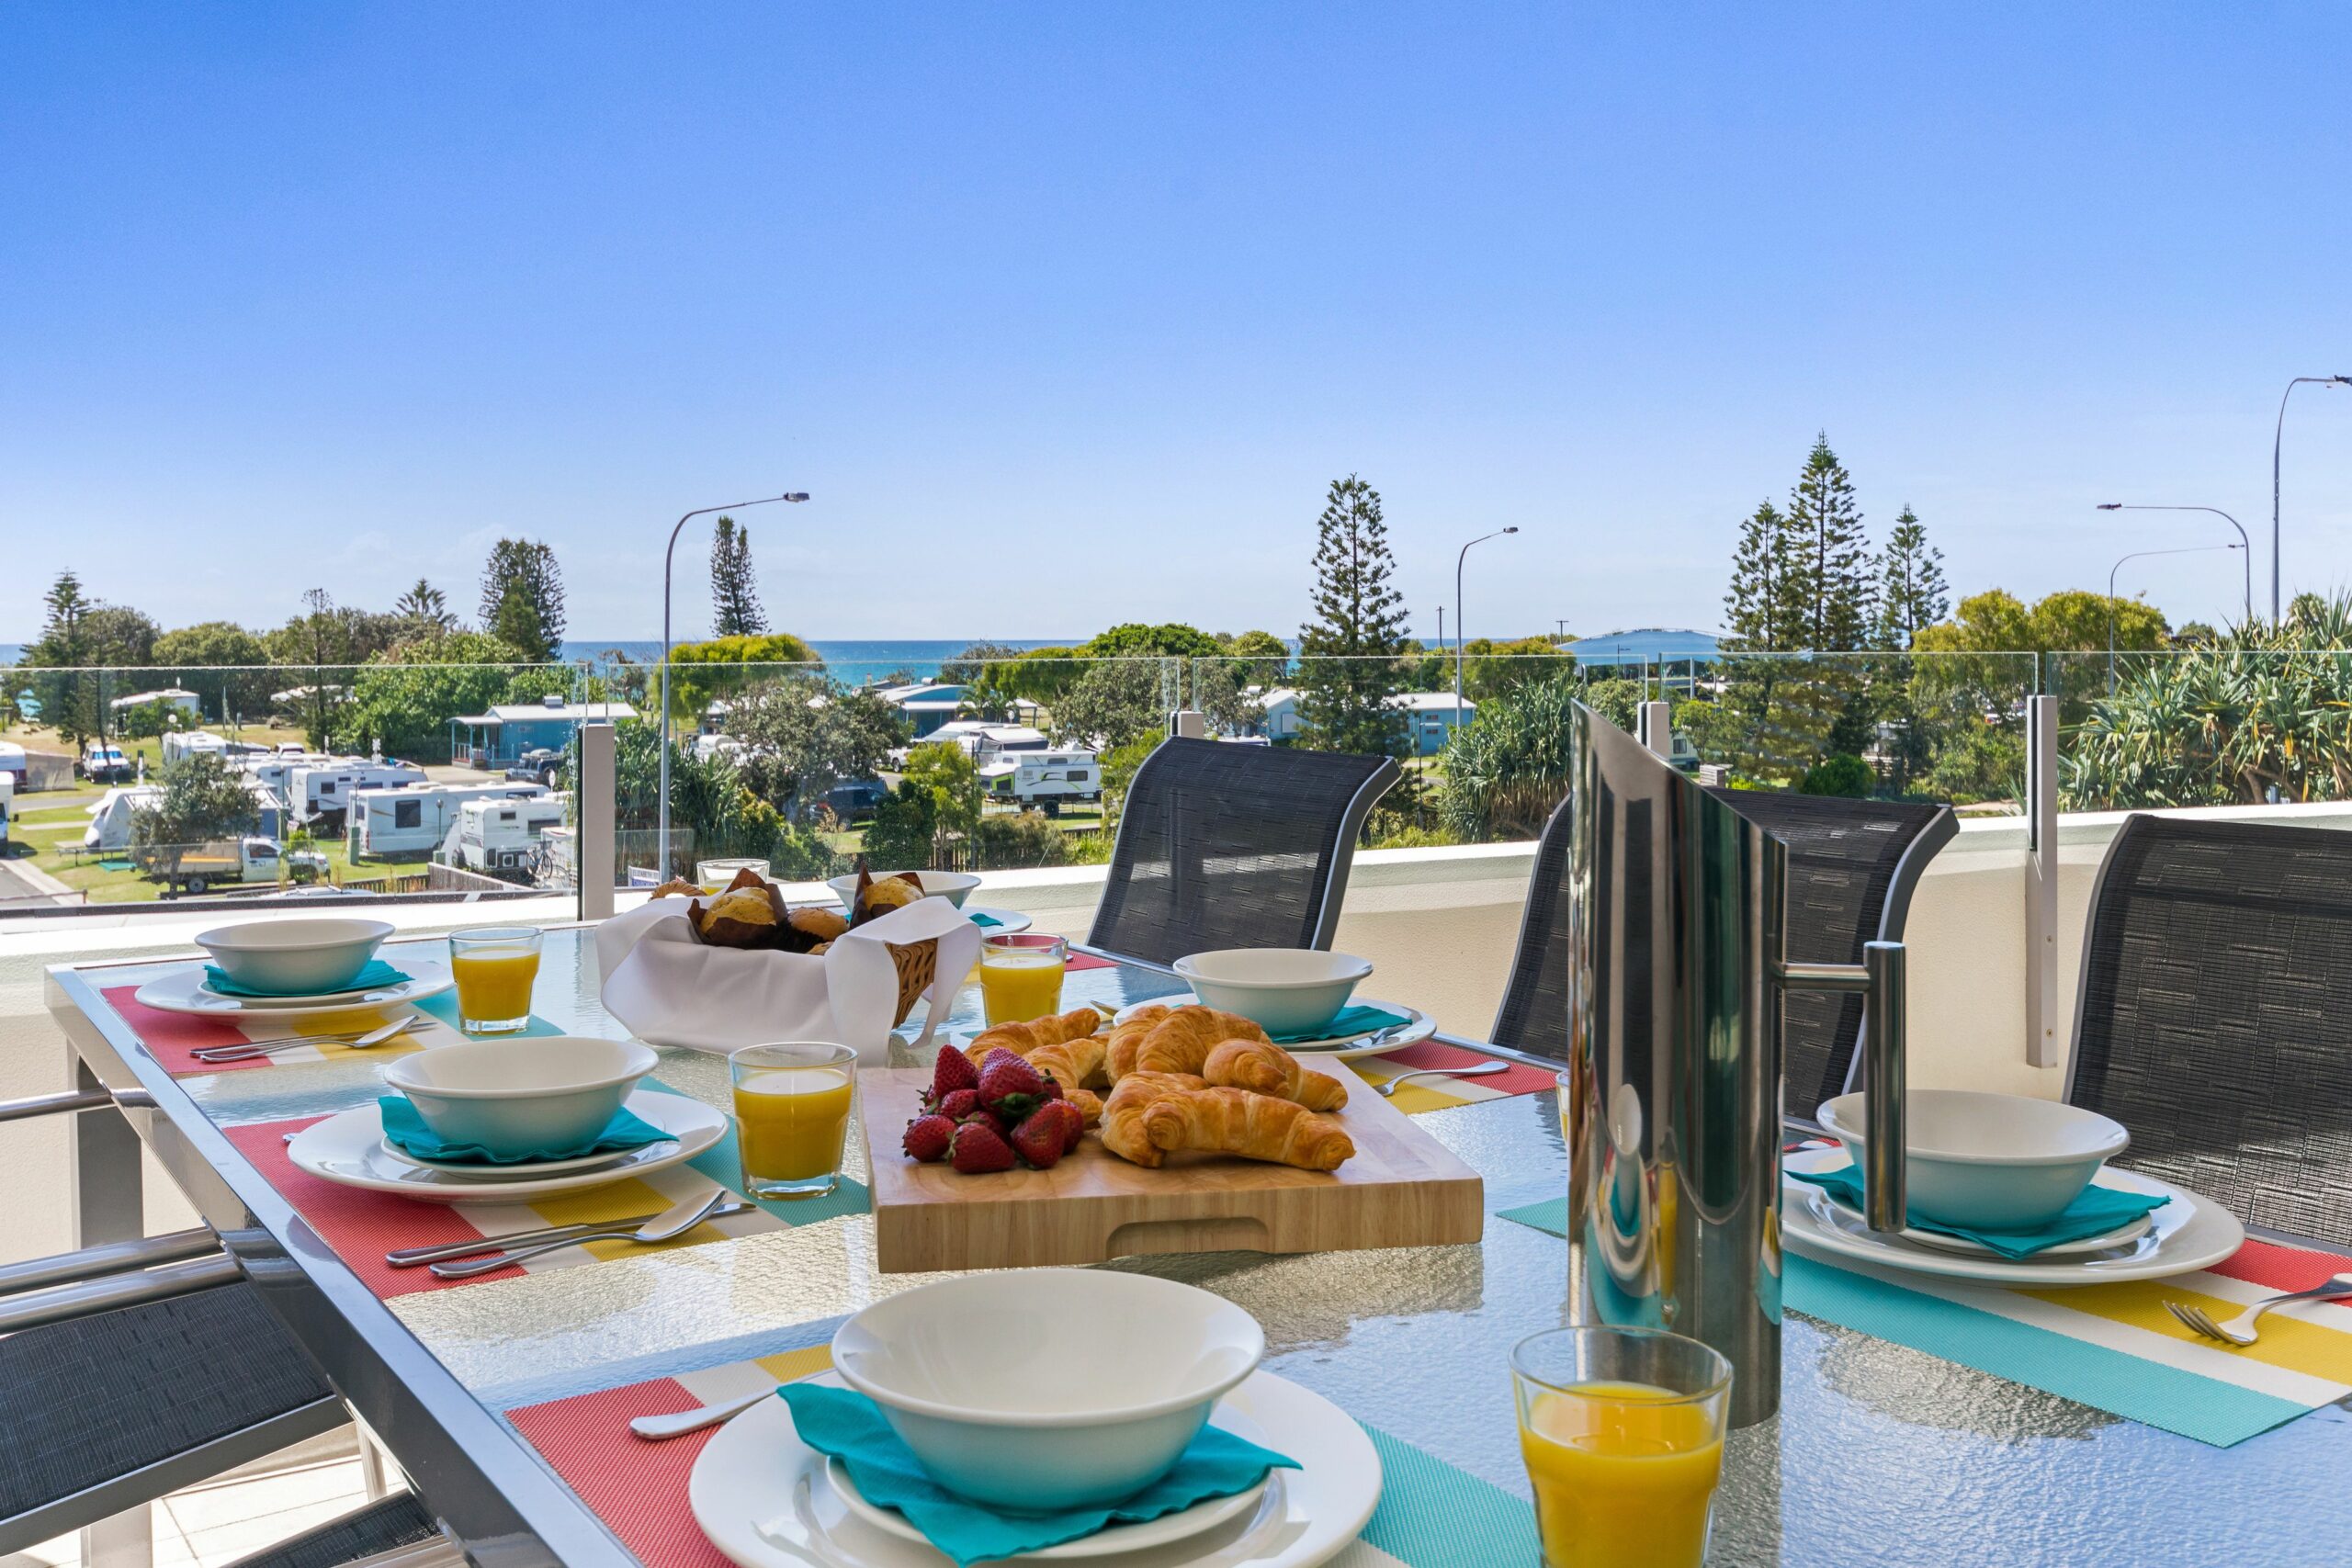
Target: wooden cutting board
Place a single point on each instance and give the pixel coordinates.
(1402, 1189)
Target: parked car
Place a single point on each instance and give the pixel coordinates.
(854, 800)
(539, 765)
(102, 764)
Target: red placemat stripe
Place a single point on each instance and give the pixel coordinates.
(1088, 960)
(638, 1488)
(361, 1226)
(1517, 1079)
(170, 1037)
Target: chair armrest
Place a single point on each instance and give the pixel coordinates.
(108, 1257)
(51, 1104)
(88, 1298)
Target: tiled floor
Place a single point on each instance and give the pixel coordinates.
(214, 1525)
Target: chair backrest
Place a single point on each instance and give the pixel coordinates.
(2215, 1015)
(1234, 846)
(1852, 867)
(1534, 1017)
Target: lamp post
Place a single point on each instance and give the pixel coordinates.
(2243, 543)
(2277, 436)
(1457, 616)
(662, 837)
(2137, 555)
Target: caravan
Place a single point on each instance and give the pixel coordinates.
(1043, 779)
(321, 793)
(109, 829)
(195, 741)
(414, 819)
(505, 836)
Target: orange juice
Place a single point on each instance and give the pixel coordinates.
(495, 985)
(1624, 1474)
(1019, 983)
(792, 1123)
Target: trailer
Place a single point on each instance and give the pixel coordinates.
(414, 819)
(1043, 779)
(109, 829)
(192, 743)
(320, 794)
(507, 838)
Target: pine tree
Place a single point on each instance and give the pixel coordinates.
(1752, 609)
(1912, 591)
(1349, 662)
(735, 608)
(1831, 580)
(523, 570)
(425, 609)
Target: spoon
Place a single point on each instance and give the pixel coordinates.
(1389, 1089)
(672, 1222)
(678, 1423)
(374, 1037)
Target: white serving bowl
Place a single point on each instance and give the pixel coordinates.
(953, 885)
(294, 956)
(515, 1095)
(1040, 1389)
(1282, 991)
(1989, 1161)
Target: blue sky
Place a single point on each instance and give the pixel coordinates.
(1066, 314)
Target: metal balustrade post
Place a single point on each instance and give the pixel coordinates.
(595, 846)
(1656, 722)
(2044, 1044)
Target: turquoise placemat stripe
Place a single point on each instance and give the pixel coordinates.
(720, 1163)
(2147, 1391)
(1551, 1216)
(445, 1008)
(2207, 1409)
(1433, 1516)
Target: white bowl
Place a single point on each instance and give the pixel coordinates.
(953, 885)
(514, 1097)
(1282, 991)
(1041, 1389)
(1989, 1161)
(294, 956)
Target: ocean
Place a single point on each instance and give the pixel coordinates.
(852, 660)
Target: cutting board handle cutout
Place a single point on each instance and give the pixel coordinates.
(1231, 1232)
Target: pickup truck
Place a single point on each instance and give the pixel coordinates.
(197, 871)
(539, 765)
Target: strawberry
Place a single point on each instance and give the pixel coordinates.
(927, 1137)
(987, 1118)
(1053, 1090)
(1038, 1139)
(954, 1070)
(958, 1104)
(1009, 1086)
(1061, 1114)
(979, 1147)
(1076, 1123)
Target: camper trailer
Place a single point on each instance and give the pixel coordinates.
(504, 837)
(321, 793)
(109, 829)
(195, 741)
(414, 820)
(1043, 779)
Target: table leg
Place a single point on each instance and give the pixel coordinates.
(108, 1181)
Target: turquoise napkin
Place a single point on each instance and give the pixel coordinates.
(2098, 1210)
(1351, 1021)
(845, 1423)
(376, 976)
(406, 1131)
(983, 921)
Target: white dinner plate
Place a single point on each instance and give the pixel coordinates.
(349, 1150)
(1180, 1526)
(762, 1496)
(521, 1170)
(2186, 1235)
(1418, 1026)
(185, 992)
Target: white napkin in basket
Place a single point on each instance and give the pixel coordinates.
(669, 989)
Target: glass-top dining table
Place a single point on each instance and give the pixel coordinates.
(1880, 1454)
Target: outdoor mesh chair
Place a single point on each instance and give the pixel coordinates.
(1234, 846)
(2215, 1015)
(1853, 866)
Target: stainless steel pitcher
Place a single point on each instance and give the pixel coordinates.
(1675, 965)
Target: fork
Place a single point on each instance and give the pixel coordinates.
(382, 1033)
(1389, 1089)
(2240, 1330)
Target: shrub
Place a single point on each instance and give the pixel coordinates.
(1839, 775)
(1022, 839)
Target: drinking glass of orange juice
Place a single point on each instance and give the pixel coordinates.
(1021, 976)
(1623, 1432)
(792, 1107)
(495, 966)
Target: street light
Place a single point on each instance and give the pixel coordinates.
(2276, 436)
(2243, 543)
(2137, 554)
(662, 837)
(1457, 617)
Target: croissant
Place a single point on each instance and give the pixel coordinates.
(1263, 1069)
(1020, 1039)
(1128, 1038)
(1235, 1122)
(1180, 1042)
(1122, 1115)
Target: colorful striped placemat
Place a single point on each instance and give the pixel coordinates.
(2113, 1347)
(1430, 1514)
(359, 1227)
(172, 1038)
(1440, 1094)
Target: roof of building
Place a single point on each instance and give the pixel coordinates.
(168, 694)
(1428, 701)
(522, 713)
